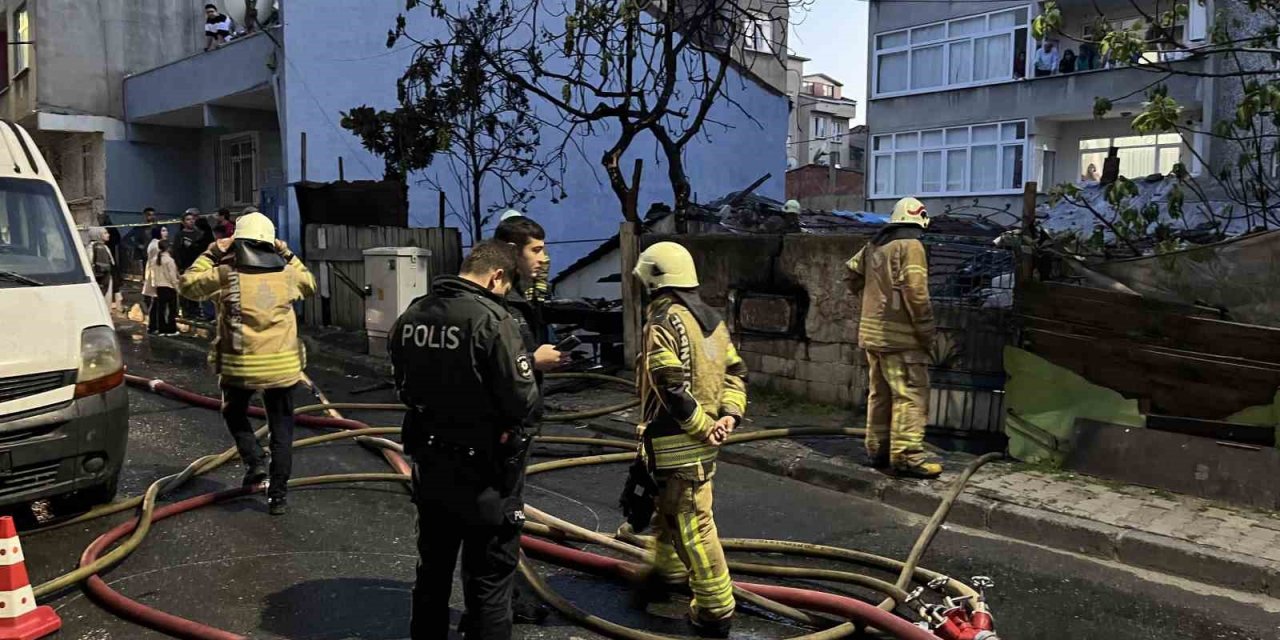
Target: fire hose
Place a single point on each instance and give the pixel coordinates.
(779, 600)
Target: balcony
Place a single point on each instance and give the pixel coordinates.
(197, 90)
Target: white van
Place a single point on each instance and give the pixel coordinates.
(64, 409)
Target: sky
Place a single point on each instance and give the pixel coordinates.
(833, 34)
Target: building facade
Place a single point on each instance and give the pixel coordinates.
(965, 106)
(135, 113)
(820, 119)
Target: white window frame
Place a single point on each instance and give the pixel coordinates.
(226, 195)
(1157, 146)
(894, 190)
(21, 33)
(757, 30)
(946, 41)
(814, 134)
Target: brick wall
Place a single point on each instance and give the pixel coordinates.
(826, 372)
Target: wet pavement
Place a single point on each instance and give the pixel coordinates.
(340, 564)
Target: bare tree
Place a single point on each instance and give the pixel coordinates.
(620, 68)
(1242, 51)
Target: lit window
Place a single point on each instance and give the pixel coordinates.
(969, 160)
(1139, 155)
(22, 31)
(955, 53)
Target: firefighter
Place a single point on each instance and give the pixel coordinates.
(896, 330)
(461, 368)
(692, 384)
(254, 279)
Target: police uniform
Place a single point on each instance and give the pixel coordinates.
(689, 376)
(461, 367)
(896, 330)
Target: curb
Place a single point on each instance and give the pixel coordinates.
(1047, 528)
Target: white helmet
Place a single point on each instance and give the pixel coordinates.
(256, 227)
(792, 206)
(666, 264)
(910, 211)
(509, 213)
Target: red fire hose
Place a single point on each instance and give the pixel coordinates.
(177, 626)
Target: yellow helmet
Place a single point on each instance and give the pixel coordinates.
(910, 211)
(256, 227)
(792, 206)
(666, 264)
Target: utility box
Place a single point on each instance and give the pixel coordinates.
(395, 275)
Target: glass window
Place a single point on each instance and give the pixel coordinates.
(983, 169)
(906, 141)
(1135, 141)
(881, 142)
(927, 67)
(904, 171)
(985, 133)
(967, 26)
(957, 162)
(35, 241)
(1169, 138)
(1011, 166)
(21, 52)
(993, 57)
(883, 174)
(1169, 156)
(1137, 161)
(1008, 19)
(959, 135)
(931, 139)
(892, 40)
(931, 171)
(961, 62)
(891, 72)
(238, 168)
(1098, 143)
(929, 33)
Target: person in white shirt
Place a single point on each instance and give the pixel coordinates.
(218, 28)
(1047, 59)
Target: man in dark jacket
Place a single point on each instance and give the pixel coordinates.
(191, 243)
(461, 368)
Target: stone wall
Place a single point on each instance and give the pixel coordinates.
(821, 362)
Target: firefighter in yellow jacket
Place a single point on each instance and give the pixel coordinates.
(896, 330)
(254, 279)
(693, 388)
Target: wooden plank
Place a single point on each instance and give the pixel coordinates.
(629, 238)
(1174, 384)
(1149, 321)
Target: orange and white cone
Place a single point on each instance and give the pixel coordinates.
(20, 618)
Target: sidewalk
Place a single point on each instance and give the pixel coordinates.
(1173, 534)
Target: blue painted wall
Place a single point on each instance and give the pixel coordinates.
(336, 58)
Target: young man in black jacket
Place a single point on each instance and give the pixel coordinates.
(460, 366)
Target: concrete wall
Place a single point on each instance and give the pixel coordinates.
(889, 16)
(585, 282)
(161, 173)
(85, 49)
(823, 364)
(326, 40)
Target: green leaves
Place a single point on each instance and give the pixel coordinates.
(1159, 114)
(1101, 106)
(1048, 22)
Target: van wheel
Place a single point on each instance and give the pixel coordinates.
(88, 498)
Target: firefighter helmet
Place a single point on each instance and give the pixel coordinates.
(910, 211)
(256, 227)
(792, 206)
(666, 264)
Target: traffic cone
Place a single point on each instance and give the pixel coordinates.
(20, 618)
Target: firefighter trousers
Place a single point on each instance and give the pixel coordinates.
(688, 546)
(897, 405)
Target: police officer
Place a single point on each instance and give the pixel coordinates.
(461, 368)
(525, 302)
(896, 330)
(693, 388)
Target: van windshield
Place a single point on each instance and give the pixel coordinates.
(36, 247)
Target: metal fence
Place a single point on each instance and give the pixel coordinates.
(972, 290)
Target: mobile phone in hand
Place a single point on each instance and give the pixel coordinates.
(568, 344)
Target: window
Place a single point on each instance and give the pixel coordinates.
(820, 126)
(1139, 155)
(956, 53)
(969, 160)
(758, 30)
(238, 178)
(22, 31)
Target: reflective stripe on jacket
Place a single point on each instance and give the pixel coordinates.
(896, 312)
(257, 345)
(690, 375)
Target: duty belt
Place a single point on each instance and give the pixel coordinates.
(458, 449)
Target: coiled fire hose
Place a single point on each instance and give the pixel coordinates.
(778, 600)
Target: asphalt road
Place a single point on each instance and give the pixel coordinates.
(340, 565)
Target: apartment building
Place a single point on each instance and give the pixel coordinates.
(821, 118)
(959, 110)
